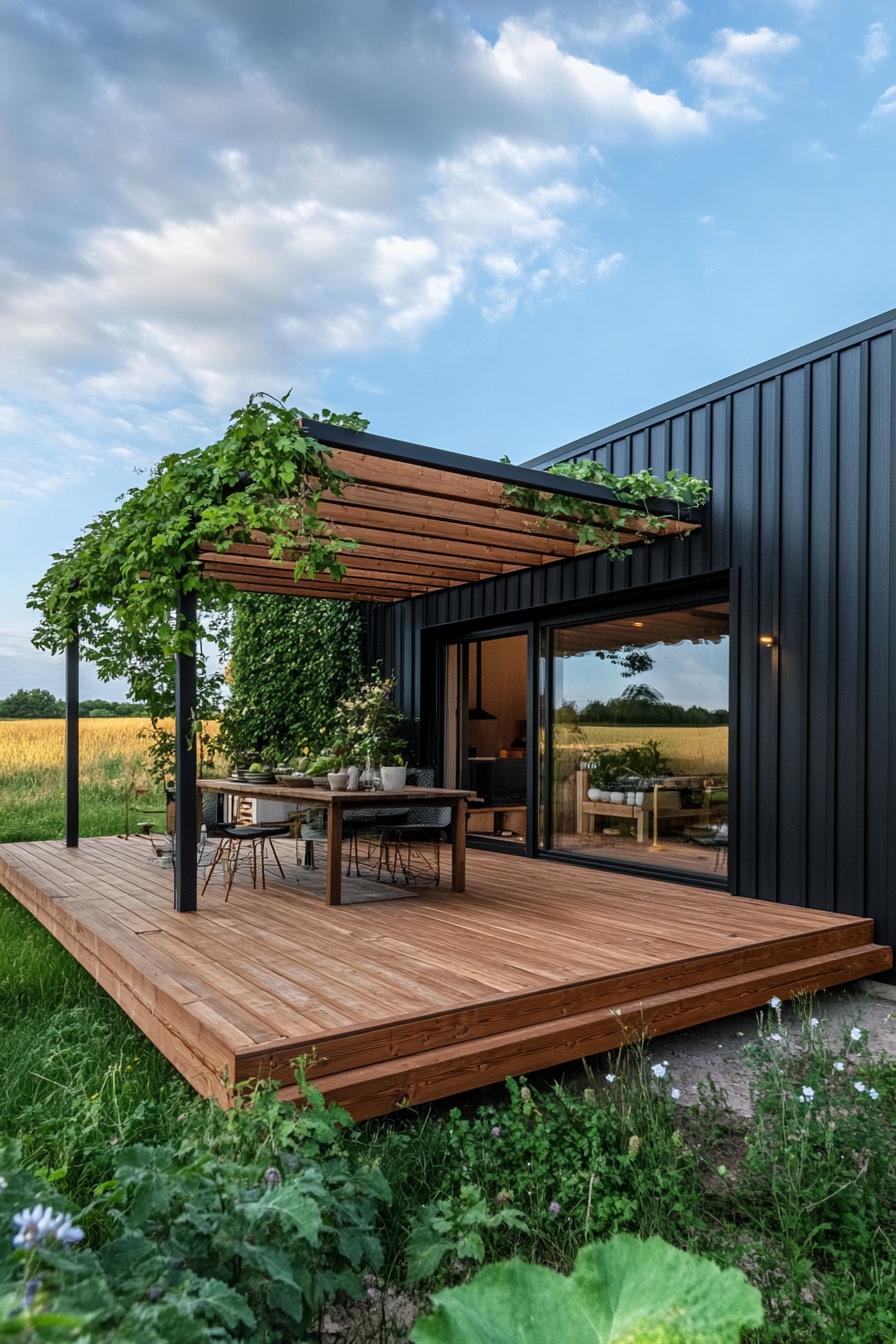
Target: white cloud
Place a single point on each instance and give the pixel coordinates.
(815, 150)
(885, 107)
(625, 23)
(530, 65)
(877, 46)
(609, 265)
(733, 72)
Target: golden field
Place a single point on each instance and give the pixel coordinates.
(38, 745)
(32, 778)
(691, 751)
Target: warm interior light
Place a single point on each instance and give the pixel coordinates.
(639, 625)
(767, 641)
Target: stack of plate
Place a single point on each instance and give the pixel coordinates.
(254, 776)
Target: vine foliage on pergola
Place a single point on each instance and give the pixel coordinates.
(115, 586)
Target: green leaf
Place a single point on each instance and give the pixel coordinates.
(624, 1291)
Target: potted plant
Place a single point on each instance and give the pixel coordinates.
(370, 731)
(394, 776)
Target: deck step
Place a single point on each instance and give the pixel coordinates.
(389, 1085)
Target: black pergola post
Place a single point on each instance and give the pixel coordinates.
(186, 819)
(71, 742)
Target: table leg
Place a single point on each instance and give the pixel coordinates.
(334, 854)
(459, 847)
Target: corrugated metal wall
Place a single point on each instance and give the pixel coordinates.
(800, 454)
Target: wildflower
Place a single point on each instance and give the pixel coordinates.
(658, 1070)
(37, 1224)
(807, 1094)
(634, 1146)
(503, 1197)
(873, 1093)
(839, 1066)
(775, 1003)
(855, 1033)
(860, 1087)
(272, 1178)
(675, 1094)
(776, 1036)
(610, 1078)
(525, 1095)
(496, 1131)
(554, 1207)
(813, 1022)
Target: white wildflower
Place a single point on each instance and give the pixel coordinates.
(813, 1022)
(776, 1036)
(675, 1094)
(839, 1066)
(808, 1094)
(774, 1002)
(658, 1070)
(610, 1077)
(873, 1093)
(35, 1225)
(855, 1033)
(860, 1087)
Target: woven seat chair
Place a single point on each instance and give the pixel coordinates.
(413, 847)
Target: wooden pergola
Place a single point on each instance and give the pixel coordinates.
(415, 520)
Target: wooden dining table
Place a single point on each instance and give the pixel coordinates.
(337, 803)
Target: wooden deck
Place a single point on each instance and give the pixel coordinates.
(405, 1000)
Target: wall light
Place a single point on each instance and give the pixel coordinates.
(767, 641)
(639, 625)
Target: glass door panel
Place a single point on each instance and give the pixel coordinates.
(486, 733)
(636, 725)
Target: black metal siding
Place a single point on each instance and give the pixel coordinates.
(800, 456)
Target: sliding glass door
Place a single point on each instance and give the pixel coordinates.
(635, 727)
(486, 733)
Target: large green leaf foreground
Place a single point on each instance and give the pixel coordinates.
(625, 1291)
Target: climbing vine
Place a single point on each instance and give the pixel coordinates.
(292, 661)
(116, 584)
(604, 524)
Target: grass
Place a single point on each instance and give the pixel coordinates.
(802, 1196)
(32, 776)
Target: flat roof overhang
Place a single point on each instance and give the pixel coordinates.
(426, 519)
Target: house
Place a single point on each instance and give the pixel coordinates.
(680, 765)
(785, 599)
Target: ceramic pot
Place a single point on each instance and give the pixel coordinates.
(594, 795)
(616, 796)
(393, 776)
(353, 783)
(639, 798)
(337, 780)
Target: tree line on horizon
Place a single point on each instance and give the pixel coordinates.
(41, 704)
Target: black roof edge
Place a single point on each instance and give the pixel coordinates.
(418, 454)
(779, 364)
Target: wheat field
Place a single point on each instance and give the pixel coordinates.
(690, 751)
(32, 776)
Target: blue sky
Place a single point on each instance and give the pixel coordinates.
(491, 228)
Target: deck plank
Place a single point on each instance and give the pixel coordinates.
(414, 998)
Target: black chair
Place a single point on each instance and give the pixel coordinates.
(231, 837)
(403, 844)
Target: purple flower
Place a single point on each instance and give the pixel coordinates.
(496, 1131)
(554, 1207)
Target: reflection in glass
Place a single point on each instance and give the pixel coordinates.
(637, 766)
